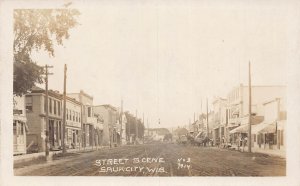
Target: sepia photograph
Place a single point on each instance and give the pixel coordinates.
(149, 89)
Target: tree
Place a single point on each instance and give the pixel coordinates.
(37, 29)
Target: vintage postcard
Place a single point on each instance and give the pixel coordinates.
(149, 92)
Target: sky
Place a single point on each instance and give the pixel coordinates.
(163, 57)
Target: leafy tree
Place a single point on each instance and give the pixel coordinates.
(37, 29)
(132, 124)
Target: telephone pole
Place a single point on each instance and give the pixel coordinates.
(249, 132)
(64, 116)
(148, 126)
(136, 127)
(47, 113)
(121, 121)
(143, 129)
(207, 118)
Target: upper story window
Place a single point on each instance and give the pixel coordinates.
(58, 108)
(29, 102)
(54, 109)
(50, 105)
(73, 115)
(89, 111)
(67, 113)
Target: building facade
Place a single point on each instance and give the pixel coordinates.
(238, 108)
(88, 119)
(73, 123)
(36, 111)
(220, 120)
(270, 134)
(110, 124)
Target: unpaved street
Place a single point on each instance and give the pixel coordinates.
(158, 160)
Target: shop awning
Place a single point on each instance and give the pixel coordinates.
(257, 128)
(271, 128)
(240, 129)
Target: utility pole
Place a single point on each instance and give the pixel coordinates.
(207, 118)
(143, 128)
(129, 129)
(47, 113)
(249, 132)
(136, 127)
(121, 121)
(148, 126)
(64, 116)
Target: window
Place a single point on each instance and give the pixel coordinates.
(70, 115)
(54, 106)
(50, 105)
(67, 113)
(89, 111)
(73, 115)
(76, 116)
(58, 107)
(21, 132)
(44, 103)
(15, 128)
(29, 103)
(281, 137)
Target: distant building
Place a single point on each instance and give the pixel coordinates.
(110, 123)
(220, 120)
(73, 123)
(19, 125)
(158, 134)
(121, 128)
(88, 119)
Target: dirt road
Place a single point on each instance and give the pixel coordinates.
(159, 160)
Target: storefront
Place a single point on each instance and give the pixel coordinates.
(19, 132)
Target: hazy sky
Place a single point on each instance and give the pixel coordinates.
(162, 58)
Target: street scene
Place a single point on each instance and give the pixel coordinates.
(158, 160)
(148, 90)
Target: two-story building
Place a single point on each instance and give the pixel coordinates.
(110, 123)
(88, 119)
(270, 134)
(36, 111)
(219, 120)
(73, 123)
(238, 107)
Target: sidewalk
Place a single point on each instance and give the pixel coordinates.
(280, 153)
(29, 157)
